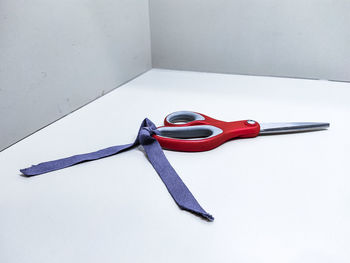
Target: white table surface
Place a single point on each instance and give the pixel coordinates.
(281, 198)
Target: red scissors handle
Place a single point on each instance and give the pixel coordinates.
(194, 132)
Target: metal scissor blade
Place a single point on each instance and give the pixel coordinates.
(289, 127)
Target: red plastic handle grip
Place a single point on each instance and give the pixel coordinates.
(236, 129)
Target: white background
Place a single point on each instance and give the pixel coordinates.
(281, 198)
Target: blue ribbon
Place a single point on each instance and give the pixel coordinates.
(176, 187)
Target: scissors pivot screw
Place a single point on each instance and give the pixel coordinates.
(251, 122)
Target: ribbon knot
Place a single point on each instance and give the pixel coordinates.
(176, 187)
(145, 133)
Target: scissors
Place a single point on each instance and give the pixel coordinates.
(195, 132)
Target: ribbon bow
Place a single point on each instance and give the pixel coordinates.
(176, 187)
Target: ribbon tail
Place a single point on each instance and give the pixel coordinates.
(50, 166)
(176, 187)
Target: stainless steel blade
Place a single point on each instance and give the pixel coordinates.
(289, 127)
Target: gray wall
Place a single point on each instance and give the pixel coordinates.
(56, 56)
(294, 38)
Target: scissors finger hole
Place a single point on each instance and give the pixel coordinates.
(190, 132)
(182, 117)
